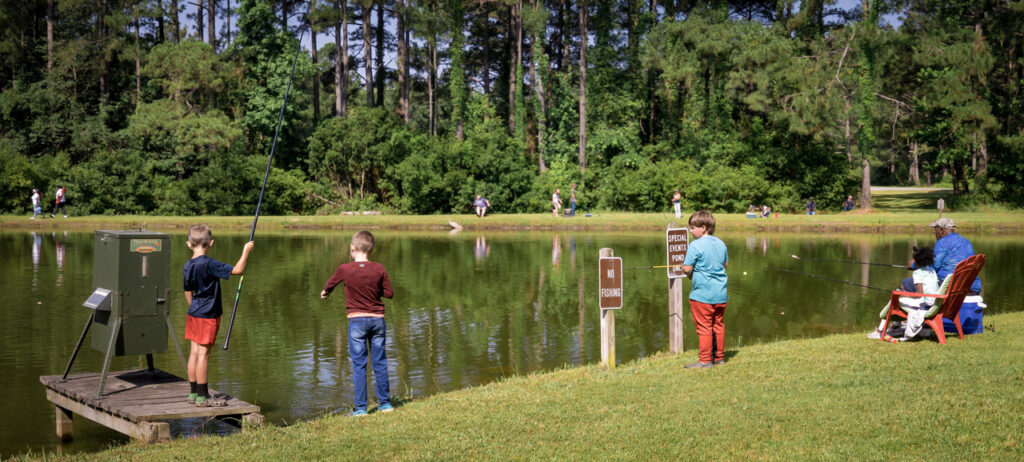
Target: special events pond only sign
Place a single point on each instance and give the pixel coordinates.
(610, 283)
(677, 240)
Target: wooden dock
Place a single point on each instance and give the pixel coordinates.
(137, 403)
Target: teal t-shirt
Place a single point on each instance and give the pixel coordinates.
(708, 256)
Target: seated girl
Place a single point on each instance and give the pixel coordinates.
(925, 282)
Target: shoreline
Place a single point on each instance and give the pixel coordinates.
(997, 223)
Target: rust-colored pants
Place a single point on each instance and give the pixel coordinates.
(707, 319)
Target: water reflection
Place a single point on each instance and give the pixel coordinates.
(469, 309)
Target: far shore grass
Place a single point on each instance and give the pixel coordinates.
(840, 397)
(1001, 222)
(906, 210)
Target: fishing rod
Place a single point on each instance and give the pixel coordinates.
(273, 147)
(829, 279)
(655, 267)
(850, 261)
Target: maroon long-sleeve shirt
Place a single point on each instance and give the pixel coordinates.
(366, 283)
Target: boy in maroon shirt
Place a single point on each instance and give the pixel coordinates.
(366, 282)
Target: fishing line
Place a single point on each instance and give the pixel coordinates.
(850, 261)
(273, 147)
(830, 279)
(655, 267)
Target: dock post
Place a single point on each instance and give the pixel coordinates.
(65, 430)
(675, 315)
(607, 327)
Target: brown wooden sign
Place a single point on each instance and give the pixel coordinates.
(610, 283)
(677, 240)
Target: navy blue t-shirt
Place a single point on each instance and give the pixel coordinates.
(201, 278)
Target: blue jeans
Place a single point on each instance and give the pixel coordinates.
(374, 331)
(572, 212)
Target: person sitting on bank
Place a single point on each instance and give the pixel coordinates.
(848, 204)
(766, 211)
(950, 249)
(481, 204)
(810, 206)
(924, 281)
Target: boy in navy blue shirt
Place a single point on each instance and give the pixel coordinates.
(202, 292)
(705, 262)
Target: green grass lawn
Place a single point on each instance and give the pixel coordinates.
(838, 397)
(908, 200)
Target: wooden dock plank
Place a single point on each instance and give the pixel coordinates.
(138, 396)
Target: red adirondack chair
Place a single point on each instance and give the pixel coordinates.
(948, 304)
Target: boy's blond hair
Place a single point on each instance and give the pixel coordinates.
(363, 242)
(200, 236)
(705, 219)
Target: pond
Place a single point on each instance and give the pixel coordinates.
(469, 309)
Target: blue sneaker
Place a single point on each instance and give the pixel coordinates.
(358, 413)
(386, 407)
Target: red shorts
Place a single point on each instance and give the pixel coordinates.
(202, 330)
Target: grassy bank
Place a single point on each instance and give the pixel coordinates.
(903, 222)
(837, 397)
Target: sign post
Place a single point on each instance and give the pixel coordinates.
(609, 299)
(941, 205)
(677, 241)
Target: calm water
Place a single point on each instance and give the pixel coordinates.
(468, 309)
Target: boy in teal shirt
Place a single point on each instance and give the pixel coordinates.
(705, 263)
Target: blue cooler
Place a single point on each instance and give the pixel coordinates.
(970, 316)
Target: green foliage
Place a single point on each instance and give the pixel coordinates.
(17, 178)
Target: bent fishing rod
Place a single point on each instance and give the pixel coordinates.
(815, 276)
(891, 265)
(273, 147)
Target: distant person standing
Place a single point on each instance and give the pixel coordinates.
(848, 204)
(556, 202)
(677, 204)
(810, 206)
(37, 204)
(572, 201)
(60, 202)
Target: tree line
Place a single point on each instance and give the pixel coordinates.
(416, 106)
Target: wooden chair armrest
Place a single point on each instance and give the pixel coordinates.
(917, 295)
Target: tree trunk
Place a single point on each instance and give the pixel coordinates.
(520, 124)
(341, 75)
(583, 86)
(138, 58)
(316, 71)
(403, 60)
(981, 170)
(915, 166)
(49, 34)
(367, 58)
(227, 24)
(101, 41)
(176, 22)
(487, 51)
(865, 185)
(512, 71)
(200, 25)
(160, 37)
(211, 25)
(431, 84)
(563, 63)
(538, 90)
(380, 53)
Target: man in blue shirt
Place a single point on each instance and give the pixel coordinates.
(950, 249)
